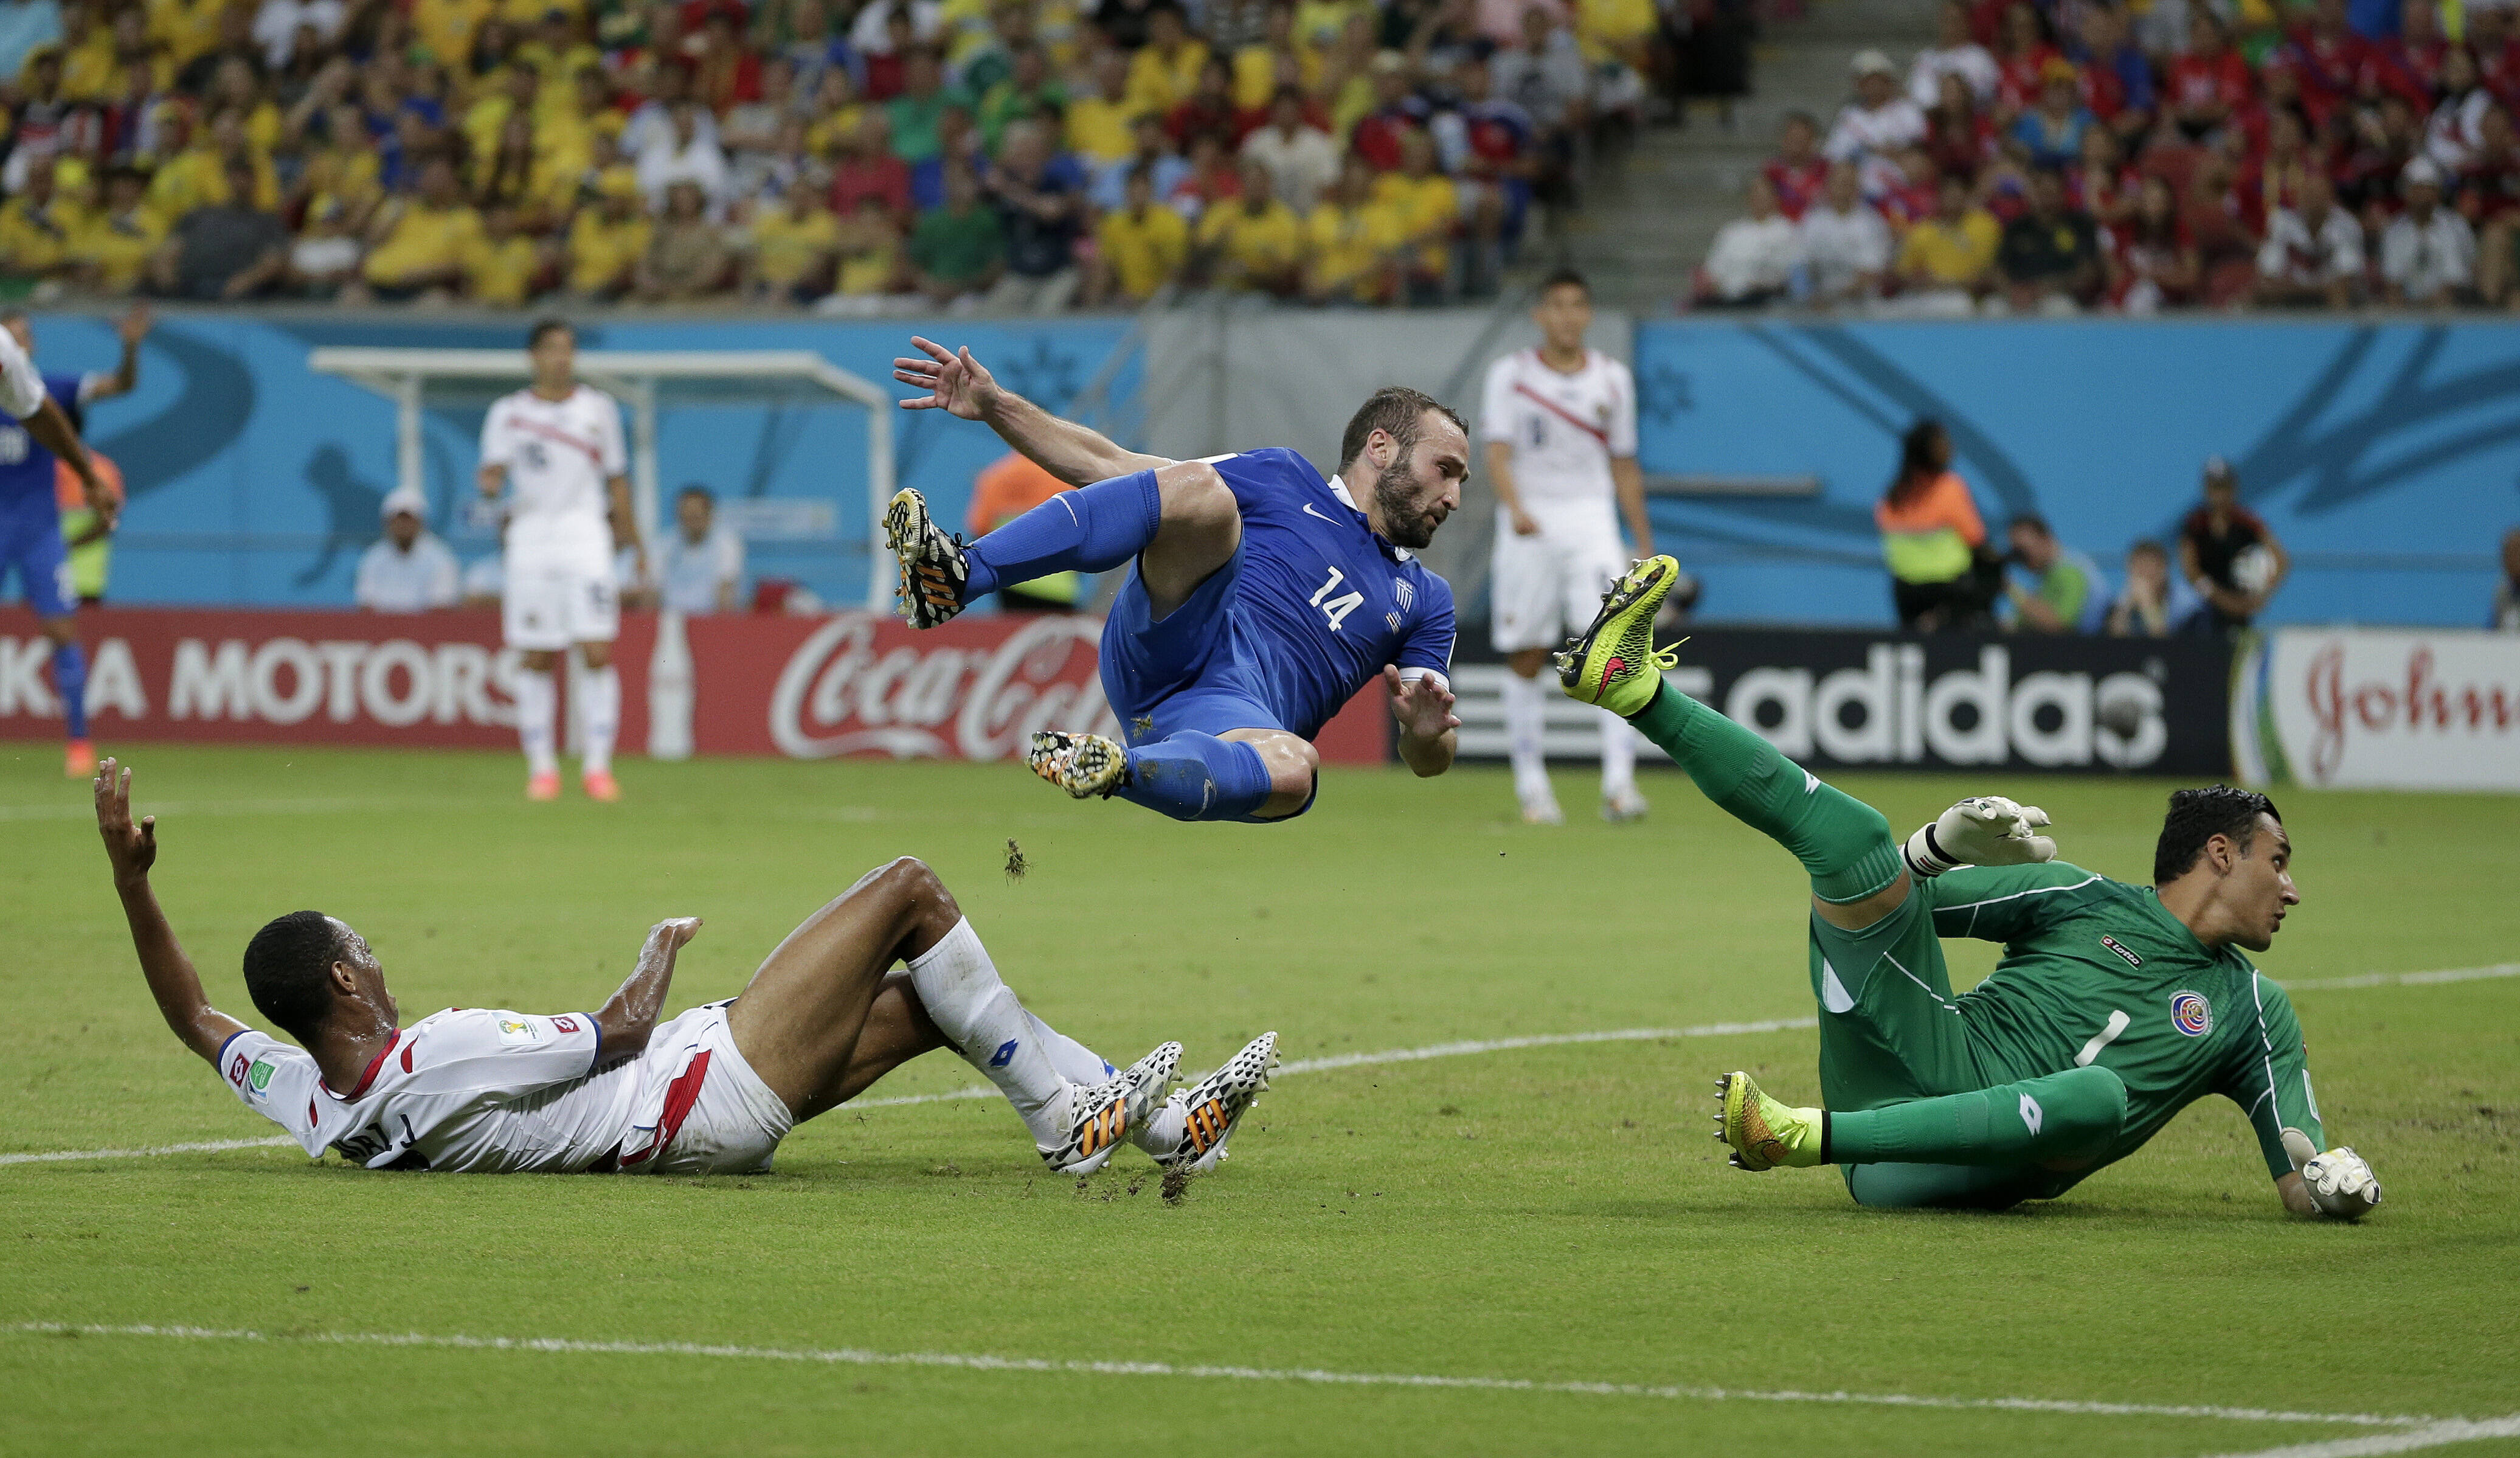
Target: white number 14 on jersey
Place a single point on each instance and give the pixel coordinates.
(1337, 609)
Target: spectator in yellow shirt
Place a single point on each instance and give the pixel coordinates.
(1355, 241)
(1098, 125)
(792, 246)
(112, 250)
(446, 26)
(187, 28)
(606, 241)
(36, 227)
(500, 264)
(346, 170)
(1141, 246)
(868, 243)
(418, 245)
(1253, 241)
(1165, 71)
(88, 72)
(1953, 252)
(1258, 68)
(1429, 209)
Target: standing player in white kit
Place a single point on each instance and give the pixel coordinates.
(1560, 426)
(558, 443)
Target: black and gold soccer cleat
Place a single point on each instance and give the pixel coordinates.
(1083, 765)
(1216, 1105)
(933, 571)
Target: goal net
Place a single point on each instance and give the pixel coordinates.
(803, 483)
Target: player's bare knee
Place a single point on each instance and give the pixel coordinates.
(920, 892)
(1195, 500)
(596, 656)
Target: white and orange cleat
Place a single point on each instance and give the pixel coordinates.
(600, 786)
(78, 759)
(542, 785)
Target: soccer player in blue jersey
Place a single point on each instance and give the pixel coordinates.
(41, 428)
(1261, 599)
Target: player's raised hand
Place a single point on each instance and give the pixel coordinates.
(132, 848)
(1422, 705)
(674, 932)
(955, 381)
(1986, 830)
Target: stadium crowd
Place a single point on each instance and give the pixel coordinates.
(859, 155)
(2077, 154)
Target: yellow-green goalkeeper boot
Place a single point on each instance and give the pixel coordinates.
(1762, 1132)
(1614, 664)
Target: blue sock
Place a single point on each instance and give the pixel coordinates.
(70, 680)
(1090, 531)
(1194, 776)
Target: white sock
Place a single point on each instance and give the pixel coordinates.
(978, 1014)
(600, 711)
(537, 702)
(1076, 1063)
(1525, 711)
(1618, 755)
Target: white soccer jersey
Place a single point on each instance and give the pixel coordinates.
(21, 389)
(1564, 428)
(465, 1089)
(557, 455)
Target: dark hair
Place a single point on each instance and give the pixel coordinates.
(1397, 411)
(547, 324)
(2198, 816)
(699, 491)
(1917, 463)
(286, 966)
(2033, 521)
(2150, 548)
(1566, 278)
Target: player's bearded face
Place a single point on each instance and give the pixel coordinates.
(1412, 505)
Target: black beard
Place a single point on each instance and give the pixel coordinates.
(1404, 520)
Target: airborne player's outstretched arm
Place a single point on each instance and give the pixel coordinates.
(961, 385)
(133, 849)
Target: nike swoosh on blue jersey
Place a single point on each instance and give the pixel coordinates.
(1308, 507)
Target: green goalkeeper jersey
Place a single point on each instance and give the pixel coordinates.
(2096, 971)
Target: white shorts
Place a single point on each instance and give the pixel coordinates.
(1545, 588)
(701, 1108)
(548, 605)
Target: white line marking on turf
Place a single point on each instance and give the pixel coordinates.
(2433, 1436)
(2404, 978)
(206, 1147)
(859, 1357)
(1388, 1054)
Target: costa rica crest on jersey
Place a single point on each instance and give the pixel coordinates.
(2192, 1014)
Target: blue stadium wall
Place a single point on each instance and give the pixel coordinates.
(256, 480)
(2386, 456)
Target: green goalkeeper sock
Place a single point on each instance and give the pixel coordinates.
(1842, 841)
(2067, 1115)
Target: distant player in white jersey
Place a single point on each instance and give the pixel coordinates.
(558, 444)
(622, 1089)
(1560, 426)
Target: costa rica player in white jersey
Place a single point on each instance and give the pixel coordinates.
(557, 444)
(1560, 428)
(624, 1090)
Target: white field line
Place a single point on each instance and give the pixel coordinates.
(851, 1356)
(1360, 1060)
(83, 809)
(2431, 1436)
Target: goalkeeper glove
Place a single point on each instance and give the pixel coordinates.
(2340, 1181)
(1987, 831)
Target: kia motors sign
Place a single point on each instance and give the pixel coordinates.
(2380, 708)
(807, 688)
(1835, 700)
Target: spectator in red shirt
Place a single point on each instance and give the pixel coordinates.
(2408, 63)
(1915, 196)
(1212, 177)
(2330, 57)
(2270, 181)
(2117, 76)
(2497, 54)
(1397, 112)
(1958, 137)
(2208, 83)
(2153, 262)
(2021, 61)
(2384, 139)
(1797, 172)
(885, 68)
(866, 168)
(2101, 184)
(1209, 108)
(2456, 127)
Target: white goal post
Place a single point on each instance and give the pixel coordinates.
(644, 382)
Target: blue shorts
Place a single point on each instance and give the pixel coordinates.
(30, 542)
(1184, 672)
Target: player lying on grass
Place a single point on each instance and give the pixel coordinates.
(1262, 596)
(711, 1091)
(2114, 1007)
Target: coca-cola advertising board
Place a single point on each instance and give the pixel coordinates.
(2380, 708)
(807, 688)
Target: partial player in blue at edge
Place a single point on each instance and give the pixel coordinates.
(1262, 598)
(43, 411)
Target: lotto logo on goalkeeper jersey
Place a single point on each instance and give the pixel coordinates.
(2192, 1014)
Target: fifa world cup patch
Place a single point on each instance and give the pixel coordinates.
(2119, 947)
(519, 1032)
(2192, 1014)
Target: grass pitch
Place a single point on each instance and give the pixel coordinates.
(1555, 1214)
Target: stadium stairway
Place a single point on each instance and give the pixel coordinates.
(1648, 217)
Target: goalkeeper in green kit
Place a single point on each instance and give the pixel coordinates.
(2114, 1007)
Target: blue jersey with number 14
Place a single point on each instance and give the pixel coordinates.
(1324, 602)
